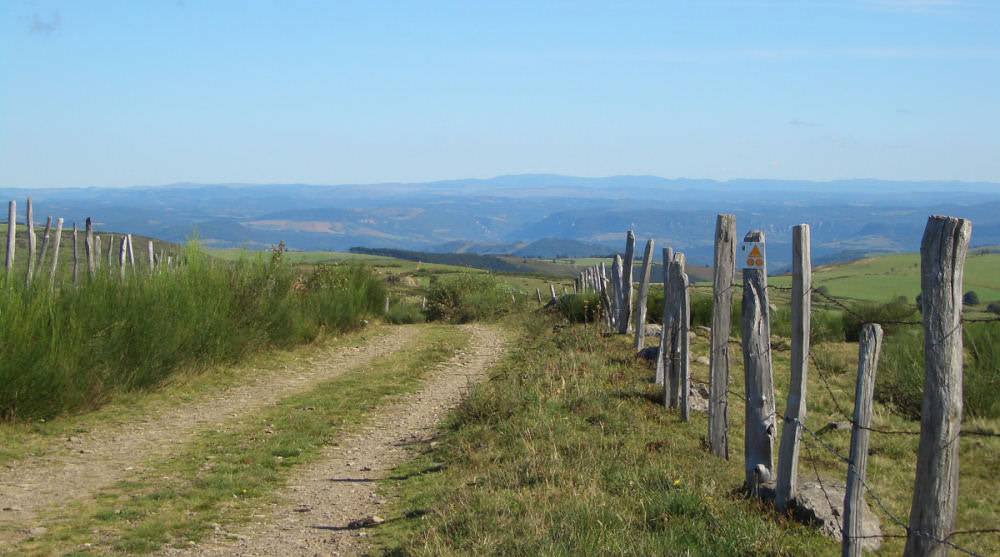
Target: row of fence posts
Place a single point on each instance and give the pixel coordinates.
(92, 248)
(942, 255)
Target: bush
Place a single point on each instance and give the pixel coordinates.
(884, 314)
(901, 371)
(970, 298)
(403, 313)
(579, 308)
(468, 297)
(994, 307)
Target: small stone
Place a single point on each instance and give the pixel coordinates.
(38, 531)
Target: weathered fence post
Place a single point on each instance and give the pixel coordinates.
(111, 251)
(131, 254)
(935, 490)
(617, 289)
(552, 292)
(97, 252)
(386, 309)
(795, 409)
(88, 243)
(625, 315)
(659, 379)
(149, 256)
(76, 257)
(684, 334)
(55, 254)
(718, 364)
(538, 294)
(640, 310)
(676, 343)
(45, 243)
(868, 352)
(31, 244)
(759, 430)
(11, 236)
(122, 255)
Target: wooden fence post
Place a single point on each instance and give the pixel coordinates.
(640, 310)
(538, 294)
(11, 236)
(552, 291)
(88, 243)
(131, 254)
(386, 309)
(759, 430)
(676, 343)
(668, 256)
(111, 250)
(625, 319)
(97, 252)
(935, 490)
(149, 256)
(76, 257)
(617, 289)
(55, 254)
(122, 255)
(45, 242)
(795, 409)
(684, 334)
(31, 244)
(868, 352)
(718, 364)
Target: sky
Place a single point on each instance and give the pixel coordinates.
(125, 93)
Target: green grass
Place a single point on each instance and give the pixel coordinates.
(228, 474)
(567, 451)
(70, 350)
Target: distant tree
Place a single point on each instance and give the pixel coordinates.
(970, 298)
(994, 307)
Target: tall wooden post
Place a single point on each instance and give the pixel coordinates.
(111, 251)
(935, 490)
(88, 243)
(31, 244)
(684, 335)
(45, 242)
(149, 255)
(640, 310)
(55, 254)
(131, 254)
(759, 385)
(661, 357)
(11, 236)
(617, 289)
(76, 257)
(552, 291)
(538, 294)
(868, 352)
(625, 319)
(675, 352)
(795, 409)
(97, 252)
(123, 255)
(722, 301)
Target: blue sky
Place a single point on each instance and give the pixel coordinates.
(153, 92)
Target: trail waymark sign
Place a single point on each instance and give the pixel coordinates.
(753, 255)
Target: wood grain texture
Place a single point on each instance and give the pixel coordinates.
(718, 361)
(760, 429)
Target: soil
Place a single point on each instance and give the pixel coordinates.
(96, 459)
(329, 508)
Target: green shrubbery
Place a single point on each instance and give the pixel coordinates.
(580, 308)
(72, 349)
(885, 314)
(468, 297)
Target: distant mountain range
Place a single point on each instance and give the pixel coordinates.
(534, 215)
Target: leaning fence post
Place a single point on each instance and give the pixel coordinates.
(31, 244)
(718, 364)
(640, 310)
(88, 243)
(552, 291)
(675, 344)
(538, 294)
(55, 254)
(76, 257)
(45, 243)
(131, 254)
(759, 430)
(625, 315)
(795, 409)
(935, 490)
(668, 255)
(868, 351)
(11, 236)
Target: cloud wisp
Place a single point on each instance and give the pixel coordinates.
(44, 27)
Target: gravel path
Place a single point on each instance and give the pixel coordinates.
(93, 460)
(322, 500)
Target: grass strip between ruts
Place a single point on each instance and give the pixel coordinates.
(226, 474)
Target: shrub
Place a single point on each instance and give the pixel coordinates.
(468, 297)
(970, 298)
(403, 312)
(884, 314)
(579, 308)
(994, 307)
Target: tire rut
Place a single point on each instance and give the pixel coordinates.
(105, 455)
(321, 501)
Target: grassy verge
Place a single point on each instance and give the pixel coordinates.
(567, 451)
(72, 349)
(226, 475)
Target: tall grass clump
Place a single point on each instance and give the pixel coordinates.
(580, 308)
(896, 310)
(72, 348)
(469, 297)
(901, 371)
